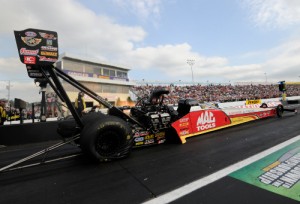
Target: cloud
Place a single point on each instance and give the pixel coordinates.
(80, 30)
(11, 68)
(274, 13)
(144, 9)
(285, 63)
(84, 33)
(171, 60)
(21, 86)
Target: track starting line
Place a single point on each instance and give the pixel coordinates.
(195, 185)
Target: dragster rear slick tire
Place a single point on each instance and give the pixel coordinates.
(68, 127)
(107, 138)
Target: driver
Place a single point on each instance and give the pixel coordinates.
(156, 100)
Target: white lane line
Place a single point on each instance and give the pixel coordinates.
(188, 188)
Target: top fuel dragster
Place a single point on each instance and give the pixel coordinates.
(111, 136)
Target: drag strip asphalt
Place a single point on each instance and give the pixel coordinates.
(150, 172)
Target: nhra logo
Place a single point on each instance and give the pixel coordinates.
(206, 121)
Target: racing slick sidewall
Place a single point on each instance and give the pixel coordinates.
(107, 138)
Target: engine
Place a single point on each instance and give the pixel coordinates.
(152, 113)
(159, 121)
(152, 120)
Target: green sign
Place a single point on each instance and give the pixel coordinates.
(279, 172)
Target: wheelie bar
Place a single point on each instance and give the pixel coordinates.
(44, 151)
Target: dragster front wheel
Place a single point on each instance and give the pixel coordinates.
(279, 111)
(107, 138)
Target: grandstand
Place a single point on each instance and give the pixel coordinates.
(217, 92)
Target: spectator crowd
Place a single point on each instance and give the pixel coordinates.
(217, 93)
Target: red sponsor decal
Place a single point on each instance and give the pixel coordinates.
(29, 59)
(24, 51)
(200, 121)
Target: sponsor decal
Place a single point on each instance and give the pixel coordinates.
(49, 48)
(184, 132)
(264, 114)
(31, 41)
(93, 75)
(139, 139)
(160, 135)
(242, 119)
(143, 133)
(29, 59)
(47, 59)
(151, 141)
(201, 121)
(52, 54)
(35, 74)
(206, 121)
(103, 77)
(139, 143)
(149, 137)
(71, 73)
(184, 120)
(184, 124)
(47, 36)
(161, 141)
(49, 42)
(24, 51)
(278, 172)
(250, 102)
(30, 34)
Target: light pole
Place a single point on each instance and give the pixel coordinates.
(8, 89)
(266, 77)
(191, 62)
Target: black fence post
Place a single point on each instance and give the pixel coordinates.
(21, 116)
(32, 113)
(43, 106)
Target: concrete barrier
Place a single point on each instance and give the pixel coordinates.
(17, 134)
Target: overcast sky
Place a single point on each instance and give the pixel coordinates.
(232, 40)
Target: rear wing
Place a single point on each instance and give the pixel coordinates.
(37, 48)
